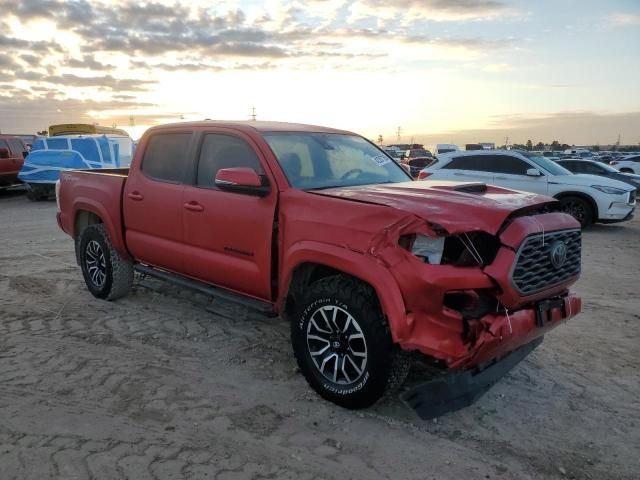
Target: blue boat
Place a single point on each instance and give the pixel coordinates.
(49, 156)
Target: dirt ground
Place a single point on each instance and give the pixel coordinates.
(164, 385)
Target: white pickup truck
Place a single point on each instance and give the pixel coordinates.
(589, 198)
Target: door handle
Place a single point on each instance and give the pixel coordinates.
(194, 207)
(135, 196)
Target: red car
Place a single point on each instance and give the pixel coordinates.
(320, 226)
(12, 154)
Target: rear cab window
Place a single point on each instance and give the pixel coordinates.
(165, 157)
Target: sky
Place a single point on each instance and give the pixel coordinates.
(456, 71)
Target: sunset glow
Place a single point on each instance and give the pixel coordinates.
(457, 71)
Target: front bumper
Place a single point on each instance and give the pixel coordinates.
(495, 334)
(617, 211)
(453, 391)
(512, 319)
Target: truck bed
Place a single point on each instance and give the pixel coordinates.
(97, 191)
(117, 172)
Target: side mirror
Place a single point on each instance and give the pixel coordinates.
(534, 172)
(4, 153)
(242, 180)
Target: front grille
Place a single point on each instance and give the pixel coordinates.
(534, 270)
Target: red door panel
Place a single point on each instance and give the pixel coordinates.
(152, 201)
(228, 241)
(227, 235)
(153, 216)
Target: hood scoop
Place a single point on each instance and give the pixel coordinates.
(471, 188)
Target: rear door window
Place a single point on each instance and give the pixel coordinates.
(507, 164)
(224, 151)
(4, 144)
(165, 156)
(470, 162)
(574, 167)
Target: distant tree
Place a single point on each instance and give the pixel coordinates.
(43, 133)
(565, 146)
(529, 145)
(380, 140)
(555, 145)
(539, 146)
(596, 148)
(518, 146)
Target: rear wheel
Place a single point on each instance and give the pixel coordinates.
(626, 170)
(342, 343)
(107, 274)
(578, 208)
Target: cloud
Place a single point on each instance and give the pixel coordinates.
(625, 19)
(88, 62)
(7, 62)
(436, 10)
(26, 113)
(103, 82)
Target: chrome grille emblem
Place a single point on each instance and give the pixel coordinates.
(558, 254)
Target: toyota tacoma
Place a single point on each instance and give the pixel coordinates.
(322, 227)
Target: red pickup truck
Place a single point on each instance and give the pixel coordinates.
(322, 227)
(12, 154)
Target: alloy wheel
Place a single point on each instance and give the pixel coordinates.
(337, 345)
(95, 263)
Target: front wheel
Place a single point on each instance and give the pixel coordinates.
(107, 274)
(342, 343)
(578, 208)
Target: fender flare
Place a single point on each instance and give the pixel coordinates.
(356, 264)
(89, 205)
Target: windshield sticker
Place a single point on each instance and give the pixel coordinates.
(381, 160)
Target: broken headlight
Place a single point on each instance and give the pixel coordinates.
(428, 248)
(466, 249)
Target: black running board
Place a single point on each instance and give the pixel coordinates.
(263, 307)
(460, 389)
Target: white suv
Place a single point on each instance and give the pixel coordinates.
(628, 164)
(588, 198)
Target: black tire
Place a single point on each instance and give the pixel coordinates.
(37, 193)
(107, 275)
(357, 313)
(626, 170)
(578, 208)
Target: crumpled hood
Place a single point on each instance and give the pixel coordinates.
(444, 204)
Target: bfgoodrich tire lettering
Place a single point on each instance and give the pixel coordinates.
(342, 343)
(106, 273)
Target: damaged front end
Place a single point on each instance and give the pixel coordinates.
(472, 298)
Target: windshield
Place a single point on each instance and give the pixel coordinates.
(549, 165)
(324, 160)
